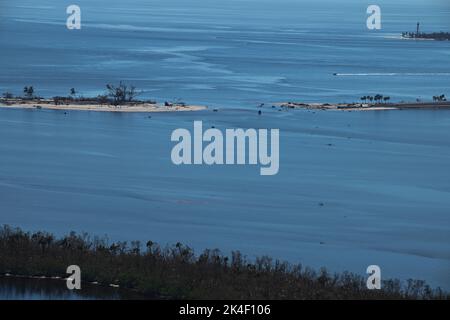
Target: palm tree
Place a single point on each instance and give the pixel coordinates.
(29, 91)
(8, 95)
(386, 99)
(364, 98)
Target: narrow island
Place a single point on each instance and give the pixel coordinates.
(377, 102)
(439, 36)
(120, 98)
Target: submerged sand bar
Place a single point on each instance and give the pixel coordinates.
(134, 107)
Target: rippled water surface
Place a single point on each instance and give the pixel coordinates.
(354, 188)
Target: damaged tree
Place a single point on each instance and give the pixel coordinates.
(122, 93)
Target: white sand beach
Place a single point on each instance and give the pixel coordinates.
(137, 107)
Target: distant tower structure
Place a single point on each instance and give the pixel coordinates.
(418, 28)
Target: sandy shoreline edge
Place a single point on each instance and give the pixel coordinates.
(365, 106)
(137, 107)
(146, 107)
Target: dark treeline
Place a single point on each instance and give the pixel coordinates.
(441, 36)
(379, 98)
(175, 272)
(120, 94)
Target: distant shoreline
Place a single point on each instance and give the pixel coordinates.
(49, 104)
(366, 106)
(150, 107)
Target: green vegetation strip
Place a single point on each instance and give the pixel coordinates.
(175, 272)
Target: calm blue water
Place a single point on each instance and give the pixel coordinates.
(382, 177)
(225, 53)
(384, 183)
(46, 289)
